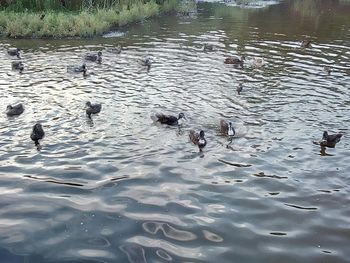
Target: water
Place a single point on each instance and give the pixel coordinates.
(121, 189)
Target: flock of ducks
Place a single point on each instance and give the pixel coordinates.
(197, 138)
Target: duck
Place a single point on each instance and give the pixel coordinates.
(235, 61)
(305, 43)
(327, 69)
(14, 110)
(198, 139)
(116, 50)
(227, 128)
(257, 62)
(17, 65)
(330, 140)
(92, 108)
(146, 63)
(94, 57)
(14, 52)
(78, 69)
(168, 119)
(208, 47)
(37, 133)
(239, 88)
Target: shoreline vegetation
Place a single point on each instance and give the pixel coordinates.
(79, 18)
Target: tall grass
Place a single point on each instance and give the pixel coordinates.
(85, 23)
(69, 5)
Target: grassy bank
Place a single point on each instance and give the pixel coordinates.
(86, 21)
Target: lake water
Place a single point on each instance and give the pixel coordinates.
(119, 188)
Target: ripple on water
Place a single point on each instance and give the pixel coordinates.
(120, 188)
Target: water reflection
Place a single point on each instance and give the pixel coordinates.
(119, 188)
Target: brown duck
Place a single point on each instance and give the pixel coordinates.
(235, 61)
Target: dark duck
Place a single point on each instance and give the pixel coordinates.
(330, 140)
(92, 108)
(94, 57)
(168, 119)
(14, 52)
(17, 65)
(235, 61)
(14, 110)
(78, 69)
(239, 88)
(37, 133)
(146, 63)
(208, 47)
(305, 44)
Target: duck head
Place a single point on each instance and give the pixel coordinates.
(201, 140)
(37, 128)
(21, 67)
(325, 136)
(84, 69)
(18, 54)
(88, 104)
(147, 62)
(327, 69)
(231, 130)
(9, 107)
(181, 116)
(239, 88)
(99, 57)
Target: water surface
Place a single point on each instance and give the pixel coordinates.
(119, 188)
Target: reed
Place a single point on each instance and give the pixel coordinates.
(92, 18)
(68, 5)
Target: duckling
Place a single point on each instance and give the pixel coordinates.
(17, 65)
(14, 110)
(77, 69)
(168, 119)
(92, 108)
(94, 57)
(198, 139)
(116, 50)
(235, 61)
(208, 47)
(239, 88)
(330, 140)
(14, 52)
(327, 69)
(227, 128)
(37, 133)
(305, 44)
(146, 63)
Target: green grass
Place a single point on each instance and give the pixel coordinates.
(84, 23)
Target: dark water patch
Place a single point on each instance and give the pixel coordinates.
(234, 164)
(278, 233)
(301, 207)
(53, 181)
(262, 174)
